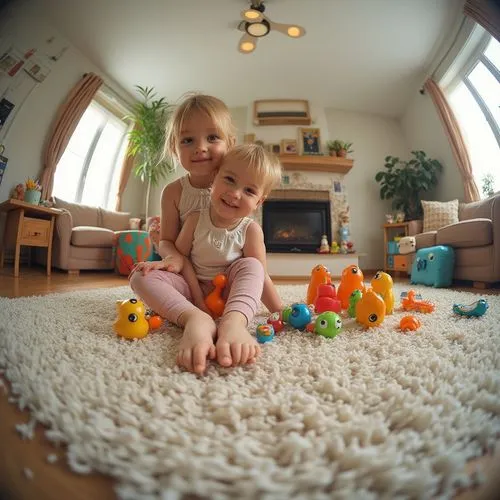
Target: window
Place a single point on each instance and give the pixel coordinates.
(474, 96)
(89, 169)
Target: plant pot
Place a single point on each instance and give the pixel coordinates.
(32, 196)
(332, 152)
(342, 153)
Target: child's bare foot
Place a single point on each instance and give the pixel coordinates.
(235, 345)
(197, 343)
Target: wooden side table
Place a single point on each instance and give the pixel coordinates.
(401, 263)
(28, 225)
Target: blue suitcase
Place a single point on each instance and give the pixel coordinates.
(433, 266)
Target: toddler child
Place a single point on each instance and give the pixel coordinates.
(218, 239)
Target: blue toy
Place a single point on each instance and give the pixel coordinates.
(265, 333)
(475, 309)
(300, 316)
(433, 266)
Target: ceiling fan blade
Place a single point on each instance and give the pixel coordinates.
(251, 15)
(291, 30)
(247, 44)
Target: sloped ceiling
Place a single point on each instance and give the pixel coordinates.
(362, 55)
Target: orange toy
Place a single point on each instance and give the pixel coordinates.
(410, 303)
(352, 279)
(155, 322)
(409, 323)
(319, 275)
(370, 309)
(214, 300)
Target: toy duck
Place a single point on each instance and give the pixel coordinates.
(382, 284)
(131, 322)
(214, 300)
(370, 310)
(351, 279)
(327, 324)
(353, 300)
(319, 275)
(326, 299)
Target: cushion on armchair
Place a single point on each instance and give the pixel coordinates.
(438, 214)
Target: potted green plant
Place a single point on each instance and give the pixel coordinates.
(147, 137)
(404, 181)
(339, 148)
(332, 147)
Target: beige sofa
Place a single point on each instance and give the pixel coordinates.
(475, 239)
(84, 237)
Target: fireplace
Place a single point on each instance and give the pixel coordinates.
(295, 225)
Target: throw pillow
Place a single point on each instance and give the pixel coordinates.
(438, 214)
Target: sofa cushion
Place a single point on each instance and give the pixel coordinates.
(424, 240)
(482, 209)
(438, 214)
(85, 236)
(116, 221)
(82, 215)
(467, 233)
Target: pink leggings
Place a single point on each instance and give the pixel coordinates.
(168, 293)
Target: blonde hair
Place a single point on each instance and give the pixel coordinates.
(267, 165)
(211, 106)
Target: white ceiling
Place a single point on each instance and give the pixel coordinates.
(364, 55)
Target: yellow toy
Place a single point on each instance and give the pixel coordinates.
(351, 279)
(370, 309)
(382, 284)
(319, 275)
(131, 322)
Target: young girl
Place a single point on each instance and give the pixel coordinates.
(199, 135)
(218, 239)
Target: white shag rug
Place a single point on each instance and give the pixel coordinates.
(367, 414)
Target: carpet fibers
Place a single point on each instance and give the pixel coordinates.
(367, 414)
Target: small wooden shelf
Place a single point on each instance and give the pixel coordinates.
(316, 163)
(281, 112)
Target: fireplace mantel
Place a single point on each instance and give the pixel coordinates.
(316, 163)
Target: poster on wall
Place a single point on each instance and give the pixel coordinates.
(36, 69)
(3, 163)
(11, 61)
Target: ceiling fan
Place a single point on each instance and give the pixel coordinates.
(255, 25)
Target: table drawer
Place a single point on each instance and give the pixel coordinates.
(400, 263)
(35, 232)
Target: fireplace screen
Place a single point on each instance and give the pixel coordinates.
(295, 225)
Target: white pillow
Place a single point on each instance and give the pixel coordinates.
(438, 214)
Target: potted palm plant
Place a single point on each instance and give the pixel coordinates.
(146, 139)
(404, 181)
(339, 148)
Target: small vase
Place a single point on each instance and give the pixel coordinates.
(32, 196)
(332, 153)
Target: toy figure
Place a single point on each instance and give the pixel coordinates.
(353, 300)
(382, 284)
(343, 247)
(351, 279)
(344, 226)
(276, 322)
(433, 266)
(335, 247)
(327, 324)
(319, 275)
(131, 322)
(324, 247)
(370, 310)
(300, 316)
(264, 333)
(412, 302)
(285, 314)
(154, 232)
(18, 192)
(476, 309)
(409, 323)
(326, 300)
(214, 300)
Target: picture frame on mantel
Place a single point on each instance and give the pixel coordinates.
(289, 147)
(310, 141)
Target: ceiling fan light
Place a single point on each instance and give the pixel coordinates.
(247, 47)
(258, 29)
(252, 14)
(295, 31)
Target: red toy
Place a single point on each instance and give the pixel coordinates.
(276, 322)
(326, 299)
(214, 300)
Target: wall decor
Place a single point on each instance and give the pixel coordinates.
(274, 148)
(310, 141)
(36, 69)
(289, 147)
(337, 187)
(11, 61)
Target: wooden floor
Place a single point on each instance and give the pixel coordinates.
(20, 459)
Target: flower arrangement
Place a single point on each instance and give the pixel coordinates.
(32, 185)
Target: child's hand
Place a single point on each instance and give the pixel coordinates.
(147, 266)
(174, 263)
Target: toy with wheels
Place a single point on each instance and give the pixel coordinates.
(327, 324)
(474, 310)
(214, 300)
(131, 322)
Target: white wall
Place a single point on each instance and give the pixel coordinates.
(24, 26)
(422, 129)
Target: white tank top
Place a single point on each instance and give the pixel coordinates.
(192, 199)
(215, 248)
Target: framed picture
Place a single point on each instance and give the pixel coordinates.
(11, 61)
(274, 148)
(249, 138)
(337, 187)
(36, 69)
(289, 147)
(310, 141)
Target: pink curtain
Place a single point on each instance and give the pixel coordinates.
(455, 137)
(486, 13)
(67, 119)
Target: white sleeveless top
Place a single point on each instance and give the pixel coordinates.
(192, 199)
(215, 248)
